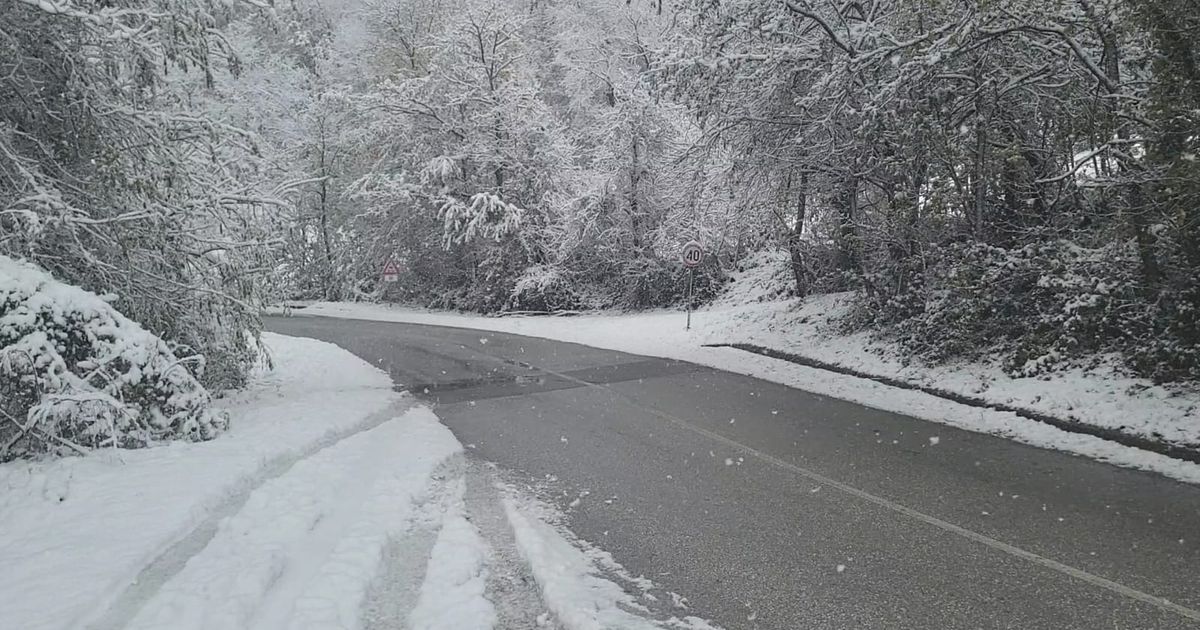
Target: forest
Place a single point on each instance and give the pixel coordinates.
(1015, 179)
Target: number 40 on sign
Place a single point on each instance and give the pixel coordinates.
(693, 254)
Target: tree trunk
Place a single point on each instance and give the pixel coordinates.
(635, 210)
(847, 241)
(795, 235)
(323, 207)
(1137, 208)
(979, 178)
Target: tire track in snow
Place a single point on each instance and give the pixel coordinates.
(510, 586)
(174, 557)
(393, 591)
(332, 523)
(301, 553)
(406, 500)
(582, 586)
(453, 592)
(468, 500)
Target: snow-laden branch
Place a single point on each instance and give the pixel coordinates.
(799, 9)
(485, 215)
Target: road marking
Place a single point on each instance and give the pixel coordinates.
(1079, 574)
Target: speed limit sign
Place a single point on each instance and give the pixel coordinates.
(693, 254)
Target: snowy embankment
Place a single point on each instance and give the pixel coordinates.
(748, 314)
(76, 532)
(288, 521)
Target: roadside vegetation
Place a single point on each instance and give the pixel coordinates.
(1014, 180)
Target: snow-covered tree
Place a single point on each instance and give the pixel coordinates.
(111, 178)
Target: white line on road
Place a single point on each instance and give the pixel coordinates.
(1079, 574)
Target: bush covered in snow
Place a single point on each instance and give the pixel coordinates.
(1041, 306)
(76, 374)
(643, 282)
(544, 288)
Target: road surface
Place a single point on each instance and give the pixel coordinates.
(769, 507)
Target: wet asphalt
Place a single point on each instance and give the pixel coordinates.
(770, 507)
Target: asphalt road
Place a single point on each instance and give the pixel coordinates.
(746, 496)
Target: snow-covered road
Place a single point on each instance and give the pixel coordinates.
(333, 503)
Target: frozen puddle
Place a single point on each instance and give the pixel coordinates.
(389, 528)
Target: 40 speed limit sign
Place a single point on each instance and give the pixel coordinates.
(693, 254)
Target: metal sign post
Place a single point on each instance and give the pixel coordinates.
(692, 256)
(691, 281)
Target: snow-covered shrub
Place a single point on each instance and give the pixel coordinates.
(646, 282)
(76, 374)
(1038, 307)
(1173, 352)
(544, 288)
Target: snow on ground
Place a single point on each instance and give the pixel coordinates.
(580, 599)
(571, 577)
(289, 520)
(302, 551)
(452, 595)
(803, 327)
(751, 313)
(75, 532)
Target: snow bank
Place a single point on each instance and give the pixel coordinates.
(75, 533)
(77, 374)
(572, 584)
(802, 327)
(764, 276)
(452, 594)
(301, 552)
(1099, 397)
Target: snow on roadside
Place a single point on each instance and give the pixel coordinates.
(751, 311)
(571, 581)
(302, 551)
(335, 596)
(452, 595)
(1099, 397)
(783, 326)
(75, 533)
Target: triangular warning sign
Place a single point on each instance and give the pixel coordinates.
(390, 268)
